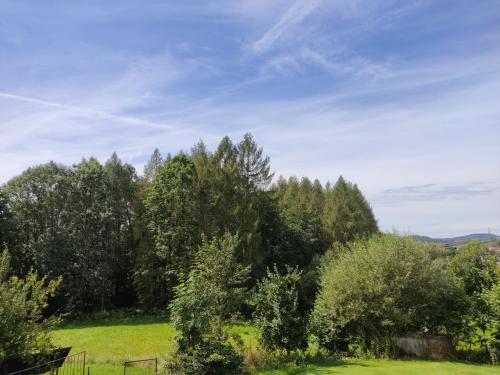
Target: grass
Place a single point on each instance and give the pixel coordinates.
(116, 341)
(109, 343)
(386, 367)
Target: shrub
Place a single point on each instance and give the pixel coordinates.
(23, 330)
(476, 271)
(277, 314)
(381, 288)
(204, 302)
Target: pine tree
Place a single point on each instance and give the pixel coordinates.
(153, 165)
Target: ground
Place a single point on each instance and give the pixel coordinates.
(111, 342)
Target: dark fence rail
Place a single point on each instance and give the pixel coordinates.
(147, 366)
(64, 365)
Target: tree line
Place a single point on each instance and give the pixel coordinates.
(120, 239)
(210, 236)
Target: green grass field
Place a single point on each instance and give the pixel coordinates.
(111, 342)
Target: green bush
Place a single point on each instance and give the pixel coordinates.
(203, 304)
(477, 273)
(277, 314)
(23, 330)
(382, 288)
(209, 357)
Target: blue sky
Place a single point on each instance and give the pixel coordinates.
(401, 97)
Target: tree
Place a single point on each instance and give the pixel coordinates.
(6, 224)
(121, 203)
(300, 233)
(172, 212)
(91, 277)
(277, 313)
(153, 165)
(213, 291)
(23, 329)
(383, 287)
(38, 202)
(347, 215)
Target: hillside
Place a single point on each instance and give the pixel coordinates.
(458, 240)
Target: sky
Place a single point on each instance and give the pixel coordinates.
(399, 97)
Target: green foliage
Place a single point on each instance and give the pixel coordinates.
(6, 223)
(153, 165)
(77, 222)
(476, 271)
(298, 228)
(211, 294)
(277, 314)
(347, 214)
(172, 220)
(38, 200)
(23, 330)
(121, 241)
(383, 287)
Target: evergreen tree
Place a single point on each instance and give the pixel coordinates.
(347, 215)
(153, 165)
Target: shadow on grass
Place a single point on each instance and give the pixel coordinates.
(319, 366)
(93, 323)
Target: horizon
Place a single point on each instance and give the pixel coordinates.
(399, 98)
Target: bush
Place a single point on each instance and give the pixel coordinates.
(208, 357)
(381, 288)
(476, 271)
(277, 313)
(23, 330)
(204, 302)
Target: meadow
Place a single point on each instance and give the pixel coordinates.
(108, 343)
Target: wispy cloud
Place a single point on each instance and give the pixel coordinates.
(86, 112)
(391, 95)
(433, 192)
(293, 16)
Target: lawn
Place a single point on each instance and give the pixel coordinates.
(111, 342)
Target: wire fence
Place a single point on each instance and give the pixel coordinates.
(141, 367)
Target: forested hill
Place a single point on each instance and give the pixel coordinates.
(483, 237)
(119, 239)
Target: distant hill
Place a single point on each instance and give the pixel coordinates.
(458, 240)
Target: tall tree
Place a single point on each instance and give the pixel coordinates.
(92, 277)
(253, 175)
(153, 165)
(6, 223)
(38, 199)
(171, 208)
(347, 215)
(121, 196)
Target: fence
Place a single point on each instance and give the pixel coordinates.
(141, 367)
(66, 365)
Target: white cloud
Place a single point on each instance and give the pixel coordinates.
(294, 15)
